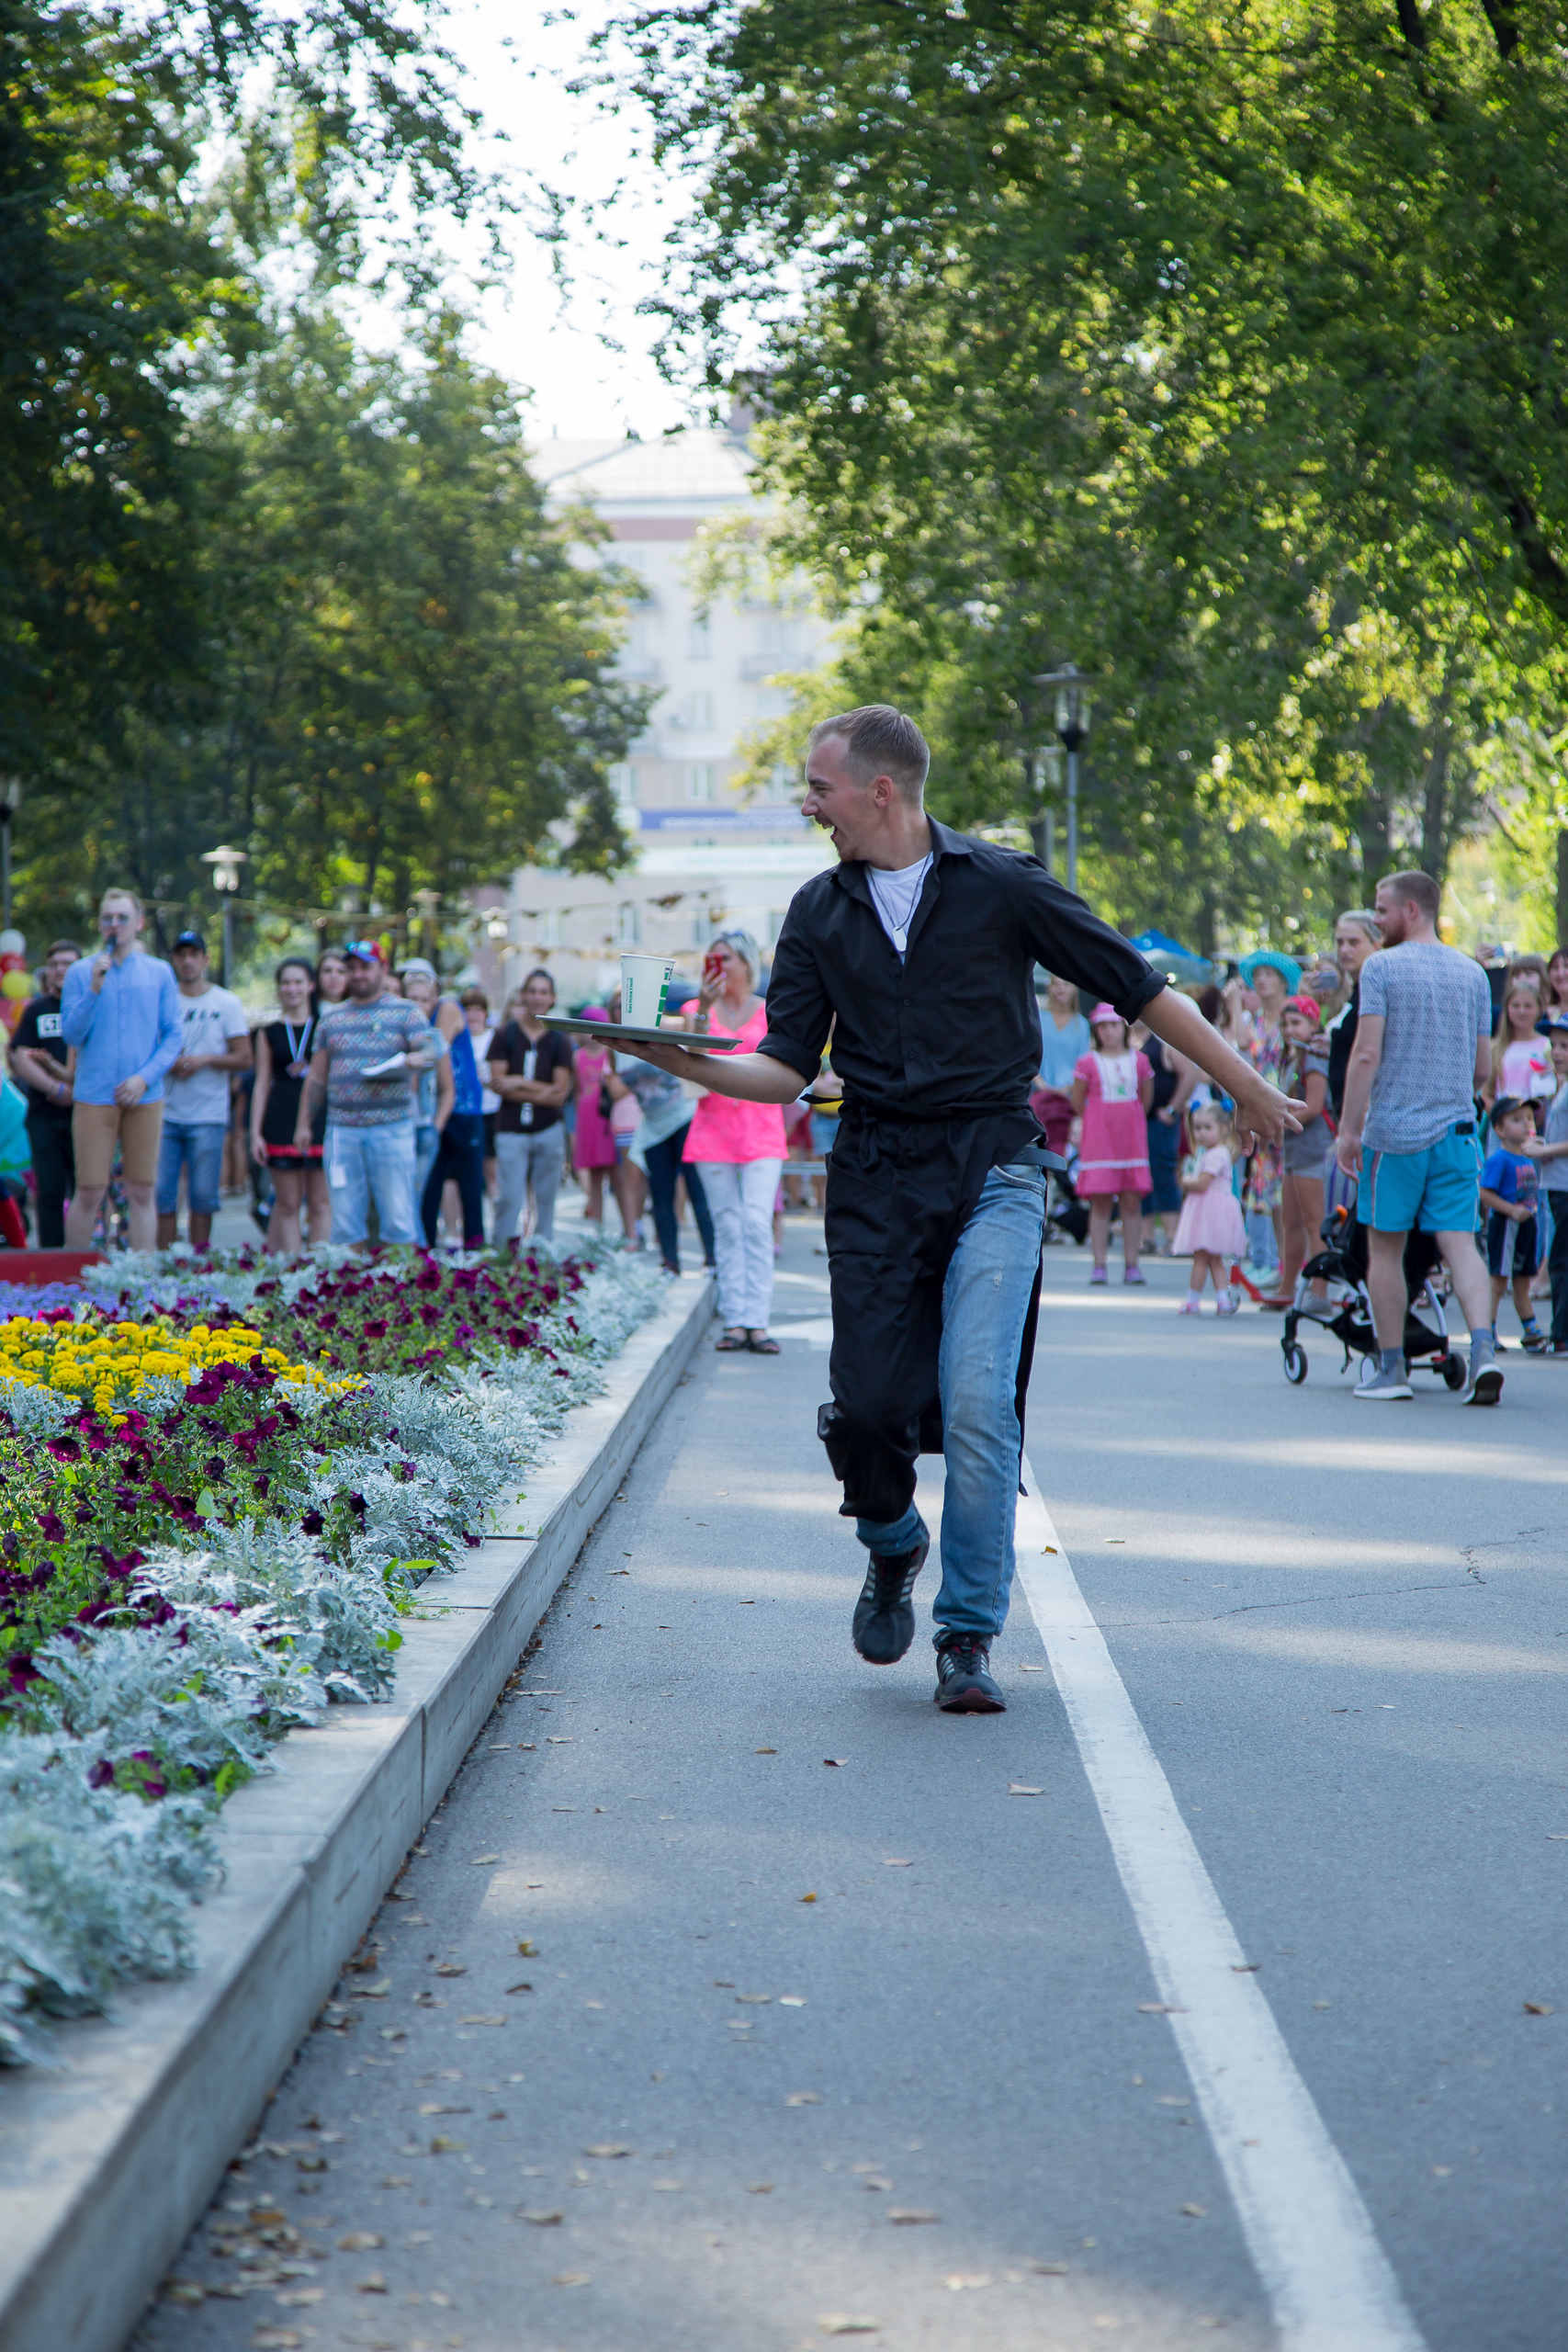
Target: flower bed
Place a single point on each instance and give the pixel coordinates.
(218, 1490)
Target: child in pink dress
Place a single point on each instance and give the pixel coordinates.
(1113, 1089)
(1211, 1226)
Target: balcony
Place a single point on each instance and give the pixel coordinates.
(638, 669)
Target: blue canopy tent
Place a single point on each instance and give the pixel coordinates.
(1170, 957)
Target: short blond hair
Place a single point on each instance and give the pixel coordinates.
(119, 890)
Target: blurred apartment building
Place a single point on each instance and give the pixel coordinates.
(704, 858)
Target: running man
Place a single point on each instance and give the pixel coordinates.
(921, 945)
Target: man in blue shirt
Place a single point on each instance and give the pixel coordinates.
(121, 1011)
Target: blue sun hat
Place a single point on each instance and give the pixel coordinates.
(1289, 971)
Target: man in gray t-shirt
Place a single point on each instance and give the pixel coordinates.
(1420, 1057)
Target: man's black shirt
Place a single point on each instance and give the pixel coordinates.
(952, 1032)
(40, 1028)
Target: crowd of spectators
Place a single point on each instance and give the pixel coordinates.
(370, 1104)
(1131, 1113)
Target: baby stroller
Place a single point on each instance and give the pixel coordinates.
(1346, 1314)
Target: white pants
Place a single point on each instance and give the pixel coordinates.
(740, 1197)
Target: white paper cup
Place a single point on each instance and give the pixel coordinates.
(645, 985)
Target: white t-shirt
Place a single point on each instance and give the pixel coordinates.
(209, 1023)
(489, 1099)
(895, 896)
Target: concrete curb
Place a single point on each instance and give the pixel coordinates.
(104, 2165)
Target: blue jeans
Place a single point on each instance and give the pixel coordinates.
(371, 1163)
(459, 1154)
(984, 1301)
(199, 1148)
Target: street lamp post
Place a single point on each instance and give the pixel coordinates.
(1072, 728)
(1043, 817)
(10, 801)
(226, 864)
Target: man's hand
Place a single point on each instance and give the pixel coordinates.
(100, 970)
(187, 1065)
(1348, 1152)
(1262, 1113)
(130, 1091)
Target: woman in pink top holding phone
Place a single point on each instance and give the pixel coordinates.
(740, 1149)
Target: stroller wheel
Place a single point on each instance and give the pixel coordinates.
(1453, 1372)
(1295, 1365)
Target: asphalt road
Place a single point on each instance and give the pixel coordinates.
(799, 2042)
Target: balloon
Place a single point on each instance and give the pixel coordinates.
(12, 943)
(17, 984)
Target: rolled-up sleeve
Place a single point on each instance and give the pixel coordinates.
(1072, 941)
(170, 1037)
(799, 1014)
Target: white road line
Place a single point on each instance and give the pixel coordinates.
(1311, 2237)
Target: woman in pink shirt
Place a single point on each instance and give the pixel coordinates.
(740, 1149)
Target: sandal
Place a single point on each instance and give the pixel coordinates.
(732, 1343)
(761, 1344)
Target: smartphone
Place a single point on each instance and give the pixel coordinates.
(712, 967)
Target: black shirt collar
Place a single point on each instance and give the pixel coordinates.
(850, 873)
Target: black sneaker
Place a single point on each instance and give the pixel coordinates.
(963, 1684)
(884, 1616)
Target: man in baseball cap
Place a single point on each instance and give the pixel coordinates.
(368, 1049)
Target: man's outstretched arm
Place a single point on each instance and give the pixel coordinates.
(746, 1077)
(1261, 1111)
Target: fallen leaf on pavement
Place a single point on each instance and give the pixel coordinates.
(905, 2215)
(844, 2323)
(394, 2034)
(668, 2187)
(754, 2000)
(764, 1751)
(183, 2290)
(1557, 1837)
(360, 2242)
(450, 1968)
(792, 2000)
(968, 2278)
(374, 2285)
(479, 1860)
(1022, 1789)
(519, 1988)
(1442, 2172)
(376, 1992)
(607, 2148)
(1245, 1967)
(398, 2180)
(760, 2189)
(835, 1759)
(804, 2099)
(277, 2339)
(442, 2146)
(540, 2221)
(1198, 2212)
(1048, 1547)
(527, 1945)
(894, 1862)
(477, 2019)
(1168, 2009)
(435, 2107)
(1050, 2269)
(560, 1739)
(1537, 2010)
(875, 2180)
(806, 1898)
(1031, 1670)
(569, 2278)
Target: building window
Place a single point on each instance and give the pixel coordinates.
(698, 713)
(699, 641)
(549, 927)
(628, 929)
(699, 784)
(778, 637)
(623, 783)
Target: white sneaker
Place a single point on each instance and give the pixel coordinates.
(1383, 1386)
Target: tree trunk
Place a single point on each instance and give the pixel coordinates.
(1562, 883)
(1434, 827)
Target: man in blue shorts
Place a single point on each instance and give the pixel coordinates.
(1422, 1053)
